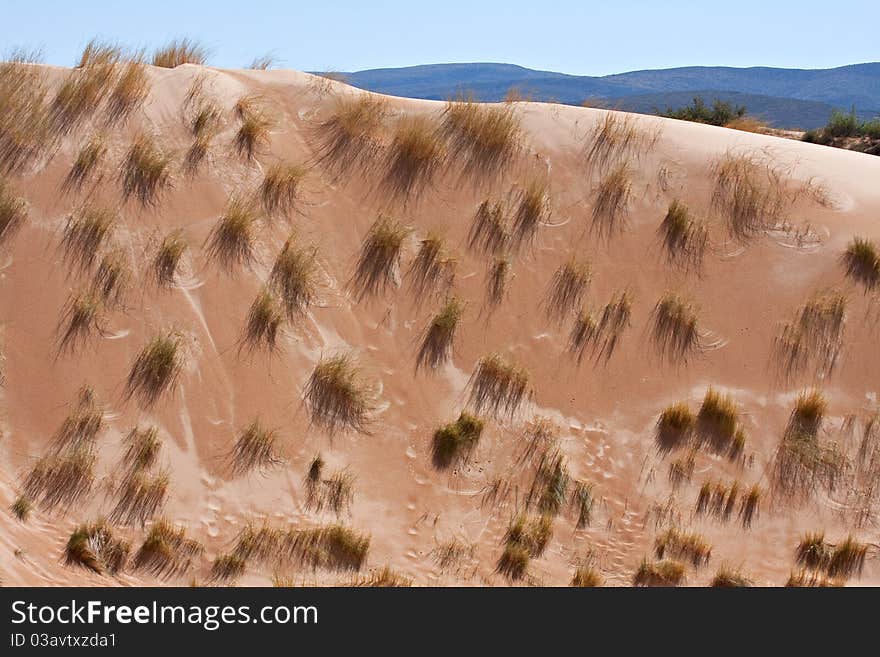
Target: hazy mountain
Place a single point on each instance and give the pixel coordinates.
(785, 97)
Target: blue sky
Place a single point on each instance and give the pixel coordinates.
(572, 36)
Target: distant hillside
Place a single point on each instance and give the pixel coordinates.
(793, 98)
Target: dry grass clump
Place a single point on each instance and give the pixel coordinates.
(807, 415)
(727, 578)
(455, 441)
(166, 551)
(85, 165)
(550, 484)
(719, 501)
(95, 547)
(280, 190)
(749, 195)
(156, 369)
(333, 547)
(612, 200)
(231, 241)
(253, 132)
(264, 62)
(675, 329)
(807, 579)
(665, 573)
(615, 136)
(526, 538)
(385, 578)
(294, 278)
(205, 120)
(141, 496)
(141, 449)
(490, 232)
(568, 288)
(674, 427)
(99, 53)
(255, 448)
(112, 278)
(498, 386)
(167, 260)
(682, 545)
(379, 260)
(25, 122)
(180, 51)
(227, 567)
(335, 493)
(485, 139)
(146, 171)
(532, 210)
(84, 88)
(336, 395)
(750, 504)
(81, 427)
(586, 576)
(85, 232)
(130, 91)
(813, 338)
(414, 158)
(582, 501)
(452, 554)
(681, 470)
(684, 238)
(539, 434)
(497, 279)
(439, 336)
(600, 336)
(263, 321)
(21, 508)
(718, 424)
(13, 213)
(80, 319)
(350, 138)
(862, 262)
(433, 269)
(61, 479)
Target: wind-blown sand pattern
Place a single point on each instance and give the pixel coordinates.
(198, 360)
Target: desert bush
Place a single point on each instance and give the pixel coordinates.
(95, 547)
(439, 336)
(415, 156)
(294, 278)
(613, 197)
(568, 288)
(255, 448)
(156, 369)
(379, 260)
(167, 260)
(337, 396)
(85, 165)
(666, 573)
(180, 51)
(166, 551)
(813, 338)
(720, 113)
(455, 441)
(684, 238)
(498, 386)
(231, 240)
(862, 262)
(146, 171)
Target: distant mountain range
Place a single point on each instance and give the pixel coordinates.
(785, 98)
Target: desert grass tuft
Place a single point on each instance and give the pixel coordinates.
(550, 485)
(813, 339)
(582, 500)
(335, 493)
(813, 552)
(497, 280)
(490, 232)
(674, 427)
(601, 335)
(749, 195)
(21, 508)
(414, 157)
(166, 551)
(142, 447)
(847, 558)
(526, 538)
(807, 415)
(613, 137)
(727, 577)
(350, 138)
(337, 396)
(146, 171)
(84, 88)
(141, 496)
(13, 213)
(231, 241)
(384, 578)
(685, 239)
(665, 573)
(681, 470)
(485, 139)
(60, 479)
(180, 51)
(433, 269)
(252, 136)
(85, 164)
(80, 320)
(112, 278)
(294, 278)
(532, 209)
(861, 259)
(85, 233)
(130, 91)
(675, 329)
(455, 441)
(807, 578)
(281, 189)
(332, 547)
(82, 425)
(439, 336)
(568, 288)
(264, 319)
(586, 576)
(379, 260)
(498, 386)
(750, 505)
(95, 547)
(166, 263)
(256, 448)
(717, 422)
(683, 545)
(26, 130)
(263, 62)
(612, 200)
(156, 369)
(226, 567)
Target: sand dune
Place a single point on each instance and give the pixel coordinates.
(446, 525)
